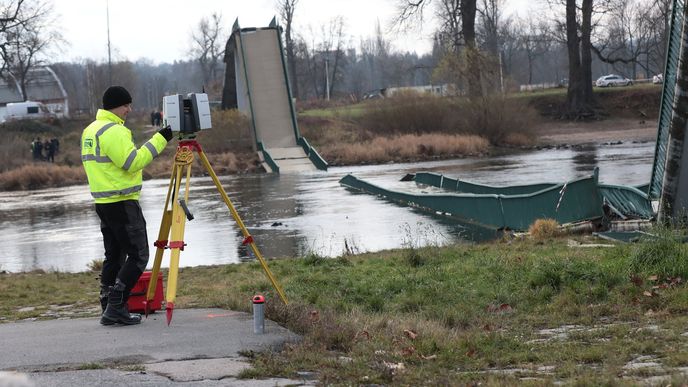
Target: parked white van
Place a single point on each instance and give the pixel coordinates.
(25, 111)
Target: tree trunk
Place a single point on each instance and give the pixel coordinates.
(574, 95)
(586, 56)
(468, 10)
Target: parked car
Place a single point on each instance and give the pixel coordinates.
(658, 79)
(612, 80)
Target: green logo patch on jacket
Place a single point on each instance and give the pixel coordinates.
(88, 143)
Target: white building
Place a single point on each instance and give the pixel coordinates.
(43, 86)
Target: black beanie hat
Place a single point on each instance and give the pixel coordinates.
(115, 96)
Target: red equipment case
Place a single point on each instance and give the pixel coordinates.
(138, 294)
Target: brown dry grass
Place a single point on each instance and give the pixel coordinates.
(41, 175)
(230, 132)
(494, 117)
(224, 163)
(407, 147)
(543, 229)
(227, 145)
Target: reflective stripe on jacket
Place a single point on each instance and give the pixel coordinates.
(112, 163)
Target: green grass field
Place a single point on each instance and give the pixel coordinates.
(510, 312)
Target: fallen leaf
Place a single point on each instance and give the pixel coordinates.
(314, 316)
(470, 353)
(652, 278)
(636, 280)
(363, 335)
(408, 351)
(431, 357)
(647, 294)
(410, 334)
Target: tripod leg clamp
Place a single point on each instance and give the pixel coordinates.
(248, 240)
(161, 244)
(177, 245)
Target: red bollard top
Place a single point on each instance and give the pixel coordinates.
(258, 299)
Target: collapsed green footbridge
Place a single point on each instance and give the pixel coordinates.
(257, 67)
(516, 207)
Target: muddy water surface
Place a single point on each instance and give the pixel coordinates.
(290, 214)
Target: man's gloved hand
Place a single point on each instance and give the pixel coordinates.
(166, 132)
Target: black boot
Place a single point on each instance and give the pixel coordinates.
(117, 310)
(104, 291)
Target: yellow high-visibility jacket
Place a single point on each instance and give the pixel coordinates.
(112, 163)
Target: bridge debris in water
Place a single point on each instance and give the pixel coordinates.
(517, 207)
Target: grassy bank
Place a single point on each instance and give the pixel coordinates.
(400, 129)
(228, 147)
(515, 311)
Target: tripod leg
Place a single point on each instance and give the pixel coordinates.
(160, 243)
(247, 236)
(177, 239)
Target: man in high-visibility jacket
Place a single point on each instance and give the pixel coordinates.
(113, 166)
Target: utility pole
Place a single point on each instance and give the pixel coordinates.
(107, 11)
(501, 73)
(327, 80)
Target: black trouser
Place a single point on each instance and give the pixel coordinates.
(125, 240)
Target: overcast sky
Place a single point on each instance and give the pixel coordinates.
(160, 30)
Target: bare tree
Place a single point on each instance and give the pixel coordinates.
(458, 23)
(207, 48)
(580, 21)
(286, 10)
(9, 20)
(634, 38)
(490, 19)
(331, 51)
(26, 35)
(534, 41)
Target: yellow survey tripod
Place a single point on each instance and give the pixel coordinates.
(174, 219)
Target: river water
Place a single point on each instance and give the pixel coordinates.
(290, 215)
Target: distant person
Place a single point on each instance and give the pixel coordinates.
(158, 118)
(37, 149)
(46, 146)
(56, 144)
(152, 117)
(113, 166)
(49, 151)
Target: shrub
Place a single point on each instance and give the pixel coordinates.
(662, 253)
(544, 229)
(403, 148)
(231, 131)
(495, 117)
(41, 175)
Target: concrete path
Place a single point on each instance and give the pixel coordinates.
(201, 347)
